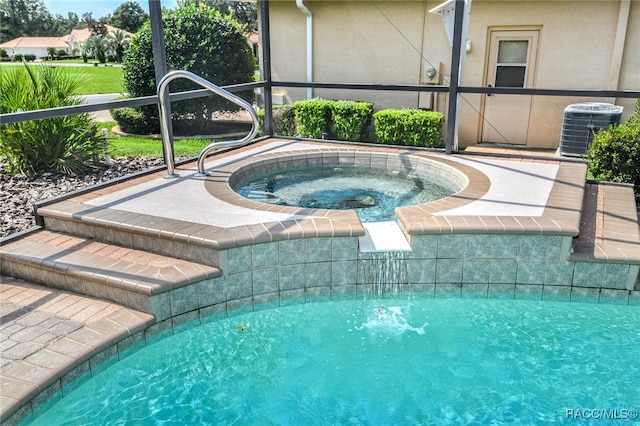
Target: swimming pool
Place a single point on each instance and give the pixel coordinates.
(493, 246)
(397, 360)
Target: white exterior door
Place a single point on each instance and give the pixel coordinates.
(511, 63)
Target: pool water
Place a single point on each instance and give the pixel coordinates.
(391, 361)
(372, 193)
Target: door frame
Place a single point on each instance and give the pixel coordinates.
(518, 32)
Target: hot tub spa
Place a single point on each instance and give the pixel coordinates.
(372, 184)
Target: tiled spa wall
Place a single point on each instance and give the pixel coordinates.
(293, 269)
(451, 265)
(516, 266)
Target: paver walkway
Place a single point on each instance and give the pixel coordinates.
(33, 316)
(35, 321)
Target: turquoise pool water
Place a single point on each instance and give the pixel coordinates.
(385, 362)
(372, 193)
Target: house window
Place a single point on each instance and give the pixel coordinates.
(511, 68)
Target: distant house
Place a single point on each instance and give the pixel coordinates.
(76, 38)
(555, 44)
(35, 46)
(38, 45)
(253, 39)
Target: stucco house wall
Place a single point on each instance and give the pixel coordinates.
(34, 46)
(581, 45)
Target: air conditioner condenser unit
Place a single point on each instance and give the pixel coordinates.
(581, 121)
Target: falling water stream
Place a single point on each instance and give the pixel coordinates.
(385, 273)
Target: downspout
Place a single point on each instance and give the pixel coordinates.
(617, 52)
(309, 15)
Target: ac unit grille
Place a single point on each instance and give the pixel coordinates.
(581, 121)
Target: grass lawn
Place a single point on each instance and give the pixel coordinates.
(126, 146)
(99, 79)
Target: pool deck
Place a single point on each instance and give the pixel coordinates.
(55, 331)
(523, 195)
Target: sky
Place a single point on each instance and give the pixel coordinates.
(98, 8)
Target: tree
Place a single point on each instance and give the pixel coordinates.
(87, 19)
(69, 23)
(98, 45)
(245, 13)
(129, 16)
(24, 18)
(84, 52)
(197, 39)
(119, 41)
(51, 51)
(98, 28)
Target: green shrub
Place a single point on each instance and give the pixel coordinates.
(17, 57)
(29, 57)
(130, 120)
(614, 154)
(3, 53)
(66, 144)
(284, 121)
(350, 119)
(412, 127)
(313, 117)
(197, 39)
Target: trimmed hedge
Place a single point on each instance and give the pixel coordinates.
(344, 120)
(284, 121)
(313, 117)
(411, 127)
(350, 119)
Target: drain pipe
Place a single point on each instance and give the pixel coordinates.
(309, 15)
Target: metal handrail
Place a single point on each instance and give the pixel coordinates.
(167, 141)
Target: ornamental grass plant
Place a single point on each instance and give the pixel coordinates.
(61, 144)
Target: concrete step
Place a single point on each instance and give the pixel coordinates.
(133, 278)
(609, 231)
(167, 237)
